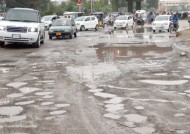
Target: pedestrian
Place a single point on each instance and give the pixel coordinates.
(188, 18)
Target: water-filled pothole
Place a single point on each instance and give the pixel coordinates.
(122, 52)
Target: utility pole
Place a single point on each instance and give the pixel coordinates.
(90, 6)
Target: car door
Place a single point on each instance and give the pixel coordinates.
(130, 20)
(93, 22)
(41, 25)
(73, 26)
(87, 22)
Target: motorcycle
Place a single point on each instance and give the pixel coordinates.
(174, 27)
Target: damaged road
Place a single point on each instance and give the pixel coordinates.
(97, 83)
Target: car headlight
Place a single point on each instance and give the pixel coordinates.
(166, 23)
(50, 31)
(123, 22)
(67, 30)
(2, 28)
(32, 29)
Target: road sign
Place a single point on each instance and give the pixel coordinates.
(79, 2)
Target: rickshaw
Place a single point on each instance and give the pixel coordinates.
(100, 17)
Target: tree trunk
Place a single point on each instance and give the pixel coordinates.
(115, 5)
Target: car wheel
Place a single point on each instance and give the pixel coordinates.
(2, 44)
(43, 38)
(50, 37)
(37, 43)
(168, 30)
(97, 27)
(114, 27)
(159, 31)
(154, 31)
(126, 26)
(71, 36)
(82, 28)
(75, 34)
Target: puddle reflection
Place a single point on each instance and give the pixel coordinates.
(112, 53)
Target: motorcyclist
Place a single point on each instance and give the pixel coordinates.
(175, 19)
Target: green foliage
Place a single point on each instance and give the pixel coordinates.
(152, 3)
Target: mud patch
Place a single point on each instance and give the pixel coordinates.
(48, 96)
(4, 70)
(139, 107)
(144, 130)
(16, 84)
(15, 95)
(11, 111)
(13, 119)
(104, 95)
(92, 74)
(115, 100)
(47, 103)
(29, 89)
(95, 90)
(43, 93)
(112, 116)
(62, 105)
(59, 112)
(25, 102)
(164, 82)
(136, 118)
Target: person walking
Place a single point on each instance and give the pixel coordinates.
(188, 19)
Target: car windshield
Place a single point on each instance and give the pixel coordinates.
(121, 18)
(80, 19)
(47, 18)
(22, 15)
(62, 23)
(162, 18)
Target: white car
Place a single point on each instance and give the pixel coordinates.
(162, 22)
(123, 21)
(1, 18)
(22, 25)
(86, 22)
(48, 20)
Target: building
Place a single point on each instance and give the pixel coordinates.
(171, 3)
(165, 5)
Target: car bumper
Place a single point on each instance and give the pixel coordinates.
(160, 27)
(19, 37)
(120, 25)
(59, 34)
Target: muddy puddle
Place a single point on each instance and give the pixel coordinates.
(123, 52)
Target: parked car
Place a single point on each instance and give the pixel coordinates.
(22, 25)
(86, 22)
(63, 28)
(73, 15)
(123, 21)
(48, 20)
(1, 18)
(162, 22)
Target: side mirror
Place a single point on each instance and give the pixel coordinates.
(42, 21)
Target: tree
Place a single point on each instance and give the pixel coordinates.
(152, 4)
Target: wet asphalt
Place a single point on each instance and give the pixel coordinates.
(127, 81)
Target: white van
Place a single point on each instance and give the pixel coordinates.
(142, 13)
(73, 15)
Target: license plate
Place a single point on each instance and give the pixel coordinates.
(58, 33)
(16, 36)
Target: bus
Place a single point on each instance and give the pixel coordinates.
(73, 15)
